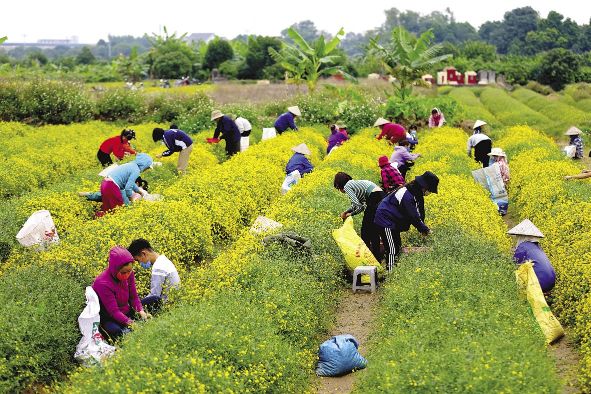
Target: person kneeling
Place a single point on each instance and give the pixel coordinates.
(117, 294)
(164, 274)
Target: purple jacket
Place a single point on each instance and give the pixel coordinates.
(542, 267)
(227, 127)
(401, 209)
(336, 138)
(175, 141)
(117, 297)
(299, 162)
(285, 121)
(401, 155)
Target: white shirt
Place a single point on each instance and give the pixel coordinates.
(475, 139)
(164, 276)
(243, 124)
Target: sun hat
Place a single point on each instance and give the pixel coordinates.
(383, 160)
(380, 122)
(216, 114)
(479, 123)
(295, 110)
(573, 131)
(526, 228)
(302, 148)
(428, 181)
(497, 152)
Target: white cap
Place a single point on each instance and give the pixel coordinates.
(497, 152)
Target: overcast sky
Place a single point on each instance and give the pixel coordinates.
(89, 20)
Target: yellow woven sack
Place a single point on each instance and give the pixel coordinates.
(529, 284)
(354, 249)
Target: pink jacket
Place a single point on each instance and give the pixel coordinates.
(117, 297)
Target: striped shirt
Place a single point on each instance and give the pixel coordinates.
(358, 192)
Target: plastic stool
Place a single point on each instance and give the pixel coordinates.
(370, 270)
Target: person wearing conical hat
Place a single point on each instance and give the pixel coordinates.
(392, 131)
(299, 161)
(528, 249)
(481, 143)
(287, 120)
(499, 158)
(229, 131)
(576, 140)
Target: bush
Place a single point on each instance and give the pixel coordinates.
(198, 117)
(539, 88)
(38, 330)
(166, 108)
(121, 104)
(416, 110)
(43, 101)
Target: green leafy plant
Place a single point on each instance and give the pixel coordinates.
(407, 58)
(306, 61)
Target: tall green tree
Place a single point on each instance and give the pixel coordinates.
(258, 59)
(306, 61)
(170, 56)
(218, 51)
(407, 58)
(132, 68)
(85, 56)
(559, 67)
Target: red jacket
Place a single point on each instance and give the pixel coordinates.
(393, 132)
(115, 146)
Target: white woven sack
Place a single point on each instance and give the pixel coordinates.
(268, 133)
(263, 224)
(39, 229)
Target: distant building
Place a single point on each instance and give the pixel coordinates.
(197, 37)
(58, 41)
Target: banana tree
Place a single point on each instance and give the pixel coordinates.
(305, 61)
(2, 39)
(407, 58)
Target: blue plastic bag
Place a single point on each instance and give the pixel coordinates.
(338, 356)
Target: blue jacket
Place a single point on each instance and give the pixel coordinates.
(542, 267)
(285, 121)
(229, 130)
(299, 162)
(175, 141)
(401, 209)
(126, 174)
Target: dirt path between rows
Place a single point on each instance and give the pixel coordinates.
(355, 316)
(564, 351)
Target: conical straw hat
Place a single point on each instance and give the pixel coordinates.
(479, 123)
(380, 121)
(295, 110)
(573, 131)
(302, 148)
(526, 228)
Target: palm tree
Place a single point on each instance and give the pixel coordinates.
(407, 58)
(305, 61)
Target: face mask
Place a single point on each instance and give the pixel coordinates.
(123, 277)
(146, 265)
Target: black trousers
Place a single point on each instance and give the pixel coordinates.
(481, 151)
(370, 232)
(232, 147)
(392, 246)
(104, 158)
